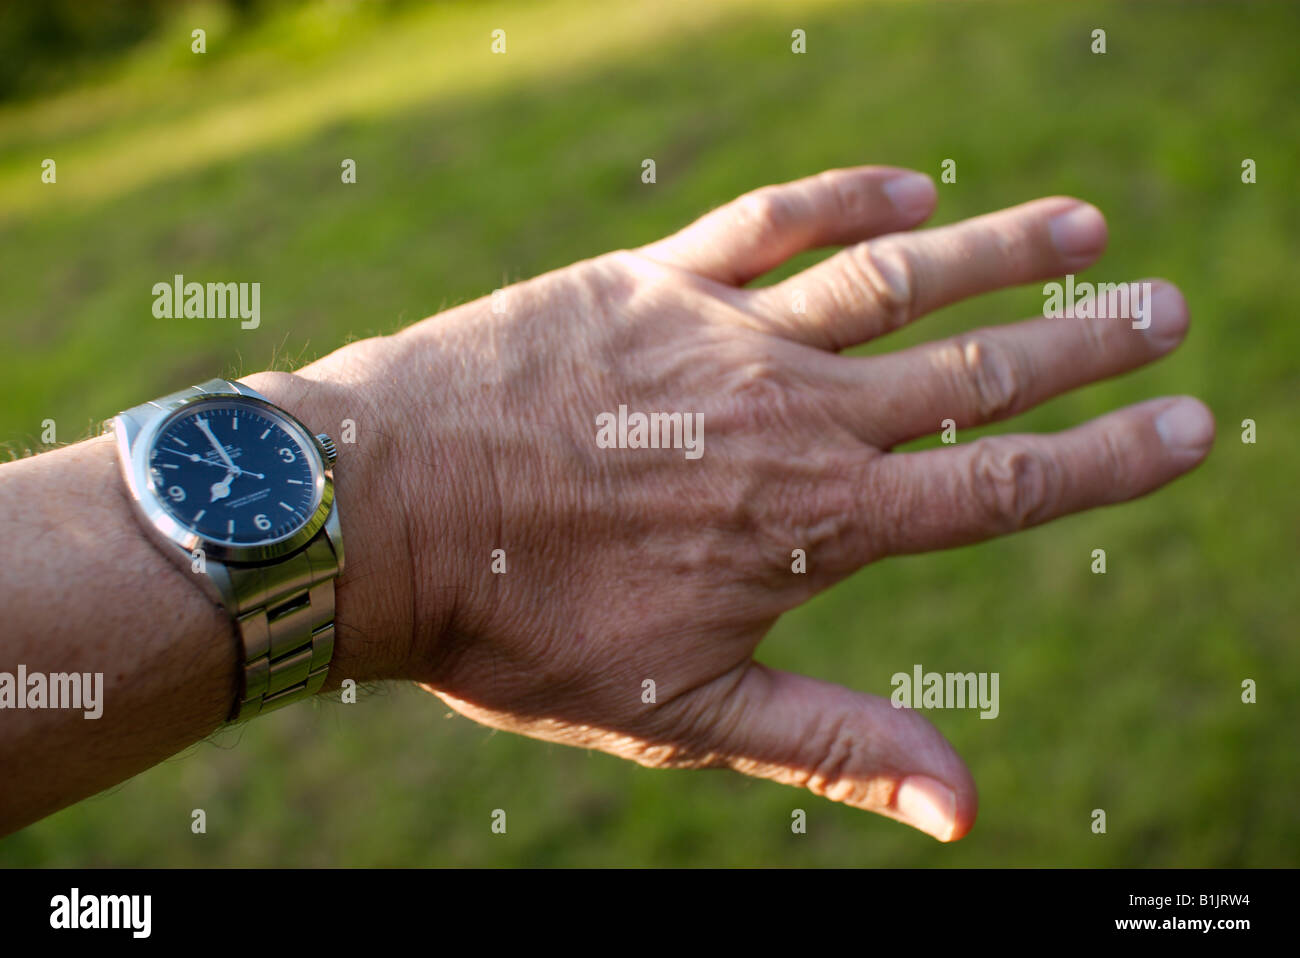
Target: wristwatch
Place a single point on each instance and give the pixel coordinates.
(240, 494)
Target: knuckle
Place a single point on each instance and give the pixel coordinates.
(890, 505)
(991, 378)
(811, 510)
(1098, 338)
(849, 197)
(882, 273)
(829, 518)
(838, 761)
(1114, 464)
(757, 392)
(1014, 484)
(764, 213)
(1018, 246)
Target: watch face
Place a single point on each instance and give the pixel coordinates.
(235, 472)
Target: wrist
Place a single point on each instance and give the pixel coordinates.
(442, 379)
(342, 395)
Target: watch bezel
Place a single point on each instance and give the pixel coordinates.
(160, 520)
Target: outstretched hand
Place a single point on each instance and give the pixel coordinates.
(619, 566)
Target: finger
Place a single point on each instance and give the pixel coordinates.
(993, 373)
(762, 229)
(874, 287)
(845, 746)
(956, 495)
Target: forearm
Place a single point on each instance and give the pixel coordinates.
(85, 591)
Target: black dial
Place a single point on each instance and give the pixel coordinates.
(234, 472)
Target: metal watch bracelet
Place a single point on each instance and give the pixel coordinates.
(284, 615)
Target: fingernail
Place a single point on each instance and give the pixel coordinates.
(912, 194)
(1078, 234)
(929, 805)
(1187, 424)
(1168, 315)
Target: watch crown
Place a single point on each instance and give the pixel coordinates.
(327, 446)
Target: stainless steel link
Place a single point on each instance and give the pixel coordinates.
(285, 618)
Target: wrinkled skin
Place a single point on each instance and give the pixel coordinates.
(627, 565)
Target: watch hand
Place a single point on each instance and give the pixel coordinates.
(195, 457)
(233, 469)
(221, 450)
(221, 489)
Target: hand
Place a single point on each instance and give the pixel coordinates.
(221, 489)
(237, 471)
(221, 450)
(625, 565)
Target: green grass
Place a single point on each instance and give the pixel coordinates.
(1119, 692)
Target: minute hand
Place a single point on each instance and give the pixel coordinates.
(221, 451)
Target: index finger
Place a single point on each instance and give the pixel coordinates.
(762, 229)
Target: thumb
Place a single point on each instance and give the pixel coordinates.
(845, 746)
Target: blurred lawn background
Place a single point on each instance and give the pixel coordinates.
(1119, 692)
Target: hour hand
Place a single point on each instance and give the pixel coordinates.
(221, 489)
